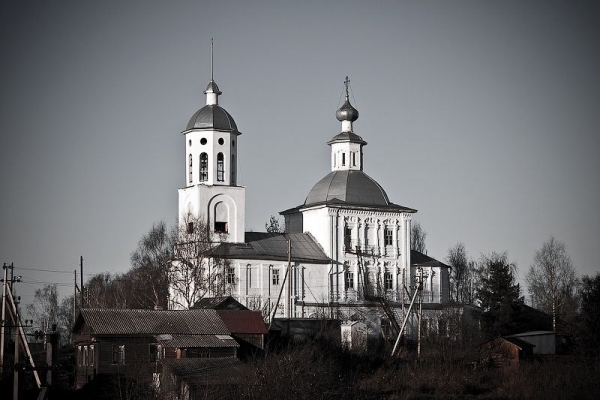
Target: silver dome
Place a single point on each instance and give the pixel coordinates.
(347, 112)
(352, 187)
(212, 116)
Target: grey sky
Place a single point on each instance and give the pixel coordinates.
(482, 115)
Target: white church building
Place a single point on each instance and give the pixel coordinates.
(350, 252)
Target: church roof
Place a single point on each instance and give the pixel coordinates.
(212, 116)
(274, 247)
(349, 186)
(347, 137)
(417, 258)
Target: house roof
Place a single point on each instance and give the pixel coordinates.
(219, 303)
(208, 371)
(274, 247)
(418, 258)
(533, 333)
(248, 322)
(151, 322)
(190, 341)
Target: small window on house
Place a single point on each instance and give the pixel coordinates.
(343, 159)
(79, 355)
(220, 227)
(230, 276)
(275, 275)
(388, 237)
(388, 280)
(118, 354)
(155, 352)
(91, 356)
(220, 168)
(349, 280)
(190, 169)
(203, 167)
(85, 355)
(189, 228)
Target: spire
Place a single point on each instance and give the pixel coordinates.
(212, 90)
(347, 114)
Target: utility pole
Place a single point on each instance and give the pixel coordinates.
(81, 287)
(5, 274)
(289, 272)
(74, 296)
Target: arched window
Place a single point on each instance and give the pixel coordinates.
(233, 169)
(220, 168)
(190, 169)
(203, 167)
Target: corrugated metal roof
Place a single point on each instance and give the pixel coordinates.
(152, 322)
(205, 371)
(274, 247)
(190, 341)
(249, 322)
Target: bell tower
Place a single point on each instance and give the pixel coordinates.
(211, 191)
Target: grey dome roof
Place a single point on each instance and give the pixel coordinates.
(212, 87)
(212, 116)
(347, 137)
(347, 112)
(353, 187)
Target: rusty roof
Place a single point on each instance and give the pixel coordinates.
(248, 322)
(151, 322)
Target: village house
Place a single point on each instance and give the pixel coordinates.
(134, 342)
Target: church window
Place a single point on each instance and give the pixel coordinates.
(230, 276)
(189, 228)
(233, 170)
(221, 141)
(349, 280)
(334, 159)
(388, 237)
(220, 227)
(233, 143)
(275, 274)
(388, 279)
(220, 168)
(203, 167)
(190, 169)
(348, 238)
(354, 159)
(343, 159)
(190, 142)
(203, 141)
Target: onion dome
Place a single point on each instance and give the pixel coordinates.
(347, 112)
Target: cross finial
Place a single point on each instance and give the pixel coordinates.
(346, 84)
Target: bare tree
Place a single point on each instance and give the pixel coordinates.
(417, 238)
(552, 280)
(44, 308)
(273, 225)
(195, 272)
(151, 262)
(464, 276)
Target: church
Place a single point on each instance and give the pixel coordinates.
(345, 252)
